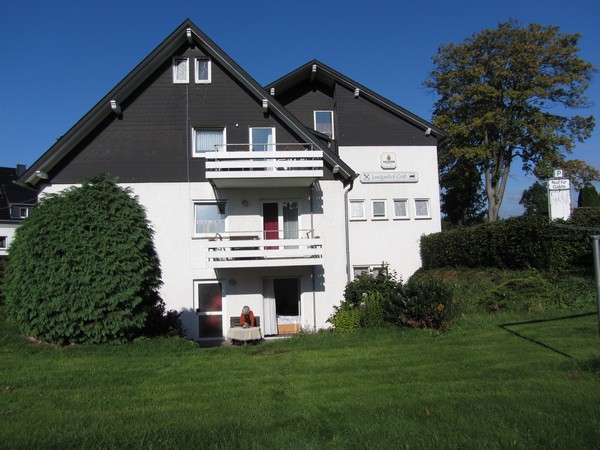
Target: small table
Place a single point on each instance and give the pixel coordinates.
(244, 334)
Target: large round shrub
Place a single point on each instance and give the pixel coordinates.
(83, 267)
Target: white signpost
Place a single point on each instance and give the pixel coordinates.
(559, 196)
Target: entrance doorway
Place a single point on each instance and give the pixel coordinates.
(281, 305)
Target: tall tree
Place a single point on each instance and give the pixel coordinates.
(509, 93)
(462, 200)
(535, 200)
(588, 197)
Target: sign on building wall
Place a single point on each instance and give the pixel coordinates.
(559, 197)
(389, 177)
(388, 160)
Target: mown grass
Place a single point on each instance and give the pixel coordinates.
(477, 386)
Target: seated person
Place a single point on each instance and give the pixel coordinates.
(247, 317)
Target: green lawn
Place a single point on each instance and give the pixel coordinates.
(478, 386)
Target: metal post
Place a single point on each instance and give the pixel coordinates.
(595, 242)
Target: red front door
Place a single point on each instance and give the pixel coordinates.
(271, 221)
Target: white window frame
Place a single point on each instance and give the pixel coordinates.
(428, 203)
(270, 147)
(23, 212)
(211, 234)
(407, 215)
(364, 212)
(3, 242)
(197, 72)
(196, 154)
(176, 59)
(222, 312)
(332, 123)
(385, 213)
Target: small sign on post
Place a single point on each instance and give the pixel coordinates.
(559, 196)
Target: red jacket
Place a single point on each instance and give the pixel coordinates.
(243, 319)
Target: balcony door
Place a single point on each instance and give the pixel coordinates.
(280, 218)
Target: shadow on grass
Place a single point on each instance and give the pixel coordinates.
(505, 326)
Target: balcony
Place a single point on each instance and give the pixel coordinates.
(251, 249)
(265, 165)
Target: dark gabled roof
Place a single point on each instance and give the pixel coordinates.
(316, 70)
(187, 31)
(11, 193)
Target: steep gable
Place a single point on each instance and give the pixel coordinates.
(141, 131)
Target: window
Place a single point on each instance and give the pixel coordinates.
(203, 70)
(401, 208)
(3, 242)
(357, 210)
(208, 140)
(209, 218)
(422, 208)
(23, 212)
(324, 123)
(373, 271)
(262, 139)
(379, 209)
(209, 308)
(181, 70)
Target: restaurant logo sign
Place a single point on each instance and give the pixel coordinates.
(389, 177)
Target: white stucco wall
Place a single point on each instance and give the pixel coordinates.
(393, 241)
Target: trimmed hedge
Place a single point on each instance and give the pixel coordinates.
(516, 243)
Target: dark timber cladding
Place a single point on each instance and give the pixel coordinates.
(151, 141)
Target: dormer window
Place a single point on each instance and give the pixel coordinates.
(324, 123)
(181, 70)
(203, 70)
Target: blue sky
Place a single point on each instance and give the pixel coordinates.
(61, 57)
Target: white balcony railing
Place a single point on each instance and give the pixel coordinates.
(269, 161)
(252, 249)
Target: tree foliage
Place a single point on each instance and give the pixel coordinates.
(508, 94)
(535, 200)
(83, 268)
(588, 197)
(462, 200)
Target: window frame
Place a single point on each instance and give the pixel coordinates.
(332, 122)
(364, 210)
(405, 217)
(428, 203)
(176, 59)
(3, 242)
(252, 144)
(201, 154)
(197, 80)
(385, 209)
(210, 234)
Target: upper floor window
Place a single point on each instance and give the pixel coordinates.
(203, 70)
(324, 123)
(357, 210)
(181, 70)
(422, 210)
(379, 209)
(262, 139)
(209, 218)
(208, 140)
(401, 208)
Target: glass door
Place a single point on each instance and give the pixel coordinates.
(210, 309)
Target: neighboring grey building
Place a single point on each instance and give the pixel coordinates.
(15, 203)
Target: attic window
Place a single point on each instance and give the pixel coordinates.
(203, 70)
(181, 70)
(3, 242)
(324, 123)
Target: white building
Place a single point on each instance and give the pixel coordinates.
(272, 197)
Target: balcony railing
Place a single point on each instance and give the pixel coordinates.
(252, 249)
(264, 161)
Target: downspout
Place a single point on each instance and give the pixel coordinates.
(347, 228)
(312, 227)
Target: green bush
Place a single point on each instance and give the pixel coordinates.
(429, 304)
(516, 243)
(83, 268)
